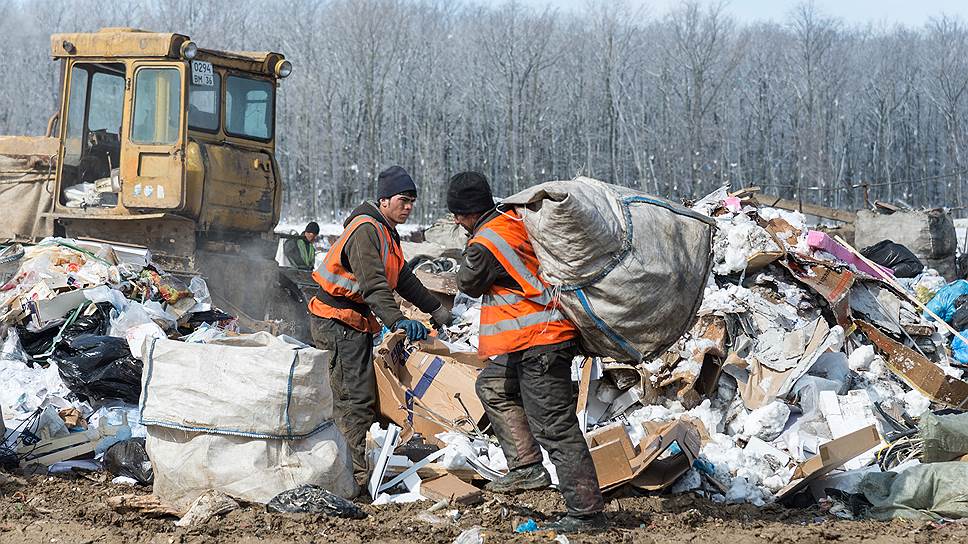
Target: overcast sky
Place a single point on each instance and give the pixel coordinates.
(909, 12)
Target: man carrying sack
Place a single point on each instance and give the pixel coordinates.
(526, 390)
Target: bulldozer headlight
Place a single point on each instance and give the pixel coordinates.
(189, 50)
(283, 68)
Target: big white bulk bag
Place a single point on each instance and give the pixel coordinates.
(629, 268)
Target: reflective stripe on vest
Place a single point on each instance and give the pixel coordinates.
(516, 323)
(514, 319)
(337, 281)
(512, 258)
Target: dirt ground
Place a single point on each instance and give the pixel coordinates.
(53, 510)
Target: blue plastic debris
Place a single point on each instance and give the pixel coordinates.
(529, 526)
(704, 466)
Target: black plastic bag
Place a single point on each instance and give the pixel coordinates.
(960, 320)
(129, 458)
(896, 257)
(315, 500)
(99, 367)
(38, 342)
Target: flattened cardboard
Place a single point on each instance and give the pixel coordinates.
(451, 488)
(916, 371)
(832, 455)
(417, 392)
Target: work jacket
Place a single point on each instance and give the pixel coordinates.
(361, 270)
(522, 313)
(300, 253)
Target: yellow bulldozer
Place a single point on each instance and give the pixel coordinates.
(162, 144)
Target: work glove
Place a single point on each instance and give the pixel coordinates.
(415, 330)
(442, 317)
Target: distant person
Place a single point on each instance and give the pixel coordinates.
(300, 252)
(526, 388)
(357, 279)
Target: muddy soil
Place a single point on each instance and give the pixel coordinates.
(52, 510)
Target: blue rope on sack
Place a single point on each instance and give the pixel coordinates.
(617, 259)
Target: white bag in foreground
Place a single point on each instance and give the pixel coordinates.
(250, 416)
(254, 385)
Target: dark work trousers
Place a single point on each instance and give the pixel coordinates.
(542, 387)
(500, 392)
(353, 381)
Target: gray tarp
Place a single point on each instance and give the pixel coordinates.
(929, 234)
(945, 437)
(631, 268)
(931, 491)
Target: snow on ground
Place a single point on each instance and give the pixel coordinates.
(291, 226)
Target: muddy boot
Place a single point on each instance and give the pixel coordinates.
(521, 479)
(592, 523)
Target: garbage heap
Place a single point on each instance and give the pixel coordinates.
(110, 363)
(809, 371)
(72, 317)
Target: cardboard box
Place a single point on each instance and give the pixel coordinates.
(614, 432)
(451, 488)
(832, 455)
(611, 464)
(657, 471)
(666, 453)
(418, 391)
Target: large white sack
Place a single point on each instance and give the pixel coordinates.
(254, 385)
(187, 464)
(631, 268)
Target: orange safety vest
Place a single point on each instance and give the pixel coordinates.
(340, 283)
(526, 316)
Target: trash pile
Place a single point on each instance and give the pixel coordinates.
(73, 316)
(809, 370)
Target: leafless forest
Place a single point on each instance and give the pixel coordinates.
(675, 104)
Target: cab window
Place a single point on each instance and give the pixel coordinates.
(203, 102)
(249, 105)
(92, 135)
(157, 104)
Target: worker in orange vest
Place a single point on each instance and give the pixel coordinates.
(356, 280)
(526, 389)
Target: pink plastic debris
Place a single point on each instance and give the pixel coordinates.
(820, 240)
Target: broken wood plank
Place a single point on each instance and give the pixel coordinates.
(810, 209)
(149, 505)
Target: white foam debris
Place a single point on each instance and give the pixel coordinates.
(861, 358)
(916, 403)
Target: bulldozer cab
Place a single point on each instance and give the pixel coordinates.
(153, 127)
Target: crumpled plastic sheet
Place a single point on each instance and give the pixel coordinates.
(315, 500)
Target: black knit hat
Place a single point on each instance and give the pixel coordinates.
(393, 181)
(312, 227)
(469, 192)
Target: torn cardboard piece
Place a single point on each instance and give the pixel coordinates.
(664, 454)
(832, 455)
(918, 372)
(419, 391)
(451, 488)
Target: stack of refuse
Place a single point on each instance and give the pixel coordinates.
(72, 317)
(805, 370)
(89, 329)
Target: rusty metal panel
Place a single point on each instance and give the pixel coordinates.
(240, 188)
(168, 236)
